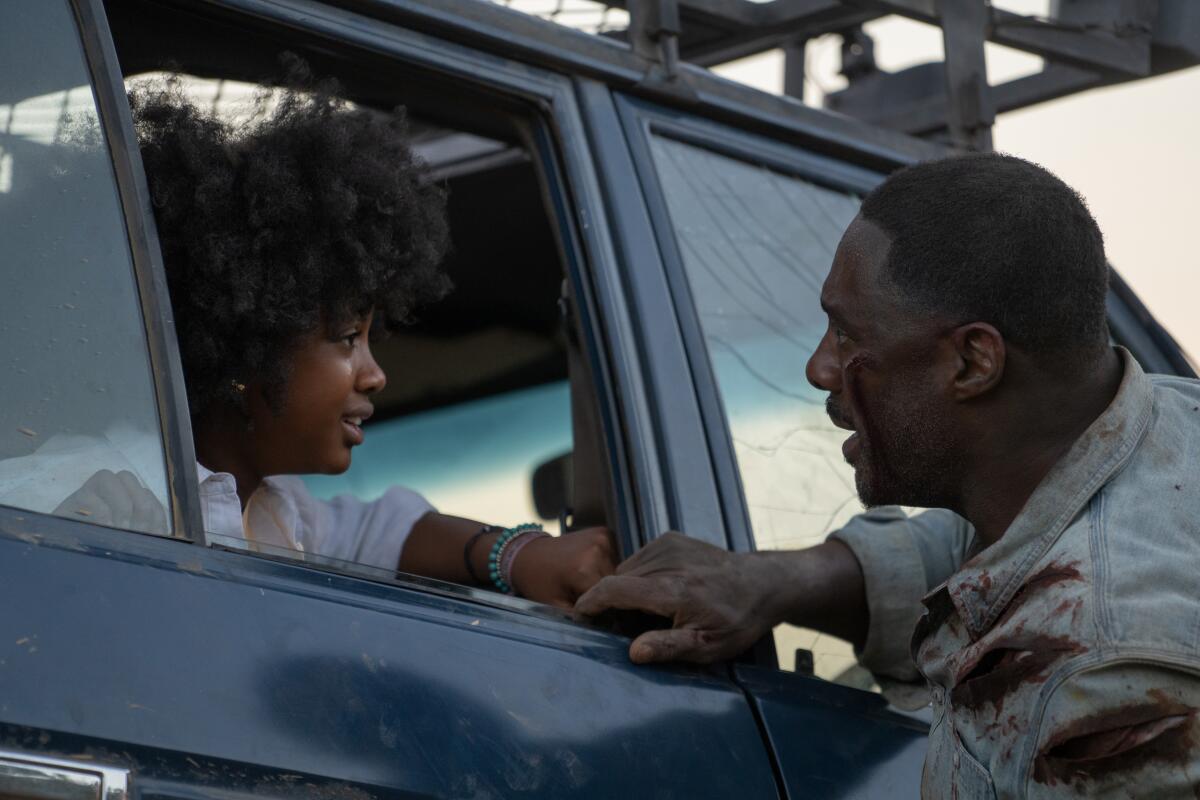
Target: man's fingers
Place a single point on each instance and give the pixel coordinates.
(677, 644)
(626, 593)
(648, 558)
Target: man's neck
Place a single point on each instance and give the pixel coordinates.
(1018, 455)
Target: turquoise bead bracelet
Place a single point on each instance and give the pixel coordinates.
(497, 553)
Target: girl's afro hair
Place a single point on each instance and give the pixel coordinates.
(311, 213)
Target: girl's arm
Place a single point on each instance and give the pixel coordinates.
(551, 569)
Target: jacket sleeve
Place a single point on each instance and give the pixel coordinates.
(1119, 725)
(902, 558)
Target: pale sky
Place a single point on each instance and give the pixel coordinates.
(1132, 151)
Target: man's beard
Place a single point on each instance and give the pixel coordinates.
(906, 454)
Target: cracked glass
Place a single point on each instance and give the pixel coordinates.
(756, 245)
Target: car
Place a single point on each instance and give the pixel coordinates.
(638, 251)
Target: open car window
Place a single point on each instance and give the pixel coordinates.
(477, 414)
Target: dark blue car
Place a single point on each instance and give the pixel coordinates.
(637, 260)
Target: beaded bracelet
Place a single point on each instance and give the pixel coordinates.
(510, 554)
(498, 551)
(485, 530)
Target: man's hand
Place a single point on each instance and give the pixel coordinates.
(558, 569)
(117, 500)
(720, 603)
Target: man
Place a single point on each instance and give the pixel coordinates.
(1058, 585)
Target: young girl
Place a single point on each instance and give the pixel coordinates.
(288, 244)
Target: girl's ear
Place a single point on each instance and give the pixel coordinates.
(981, 354)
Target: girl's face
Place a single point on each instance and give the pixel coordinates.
(324, 403)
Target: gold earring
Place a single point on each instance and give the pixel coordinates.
(238, 387)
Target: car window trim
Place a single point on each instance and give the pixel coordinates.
(548, 162)
(108, 88)
(674, 438)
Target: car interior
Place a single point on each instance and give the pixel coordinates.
(494, 369)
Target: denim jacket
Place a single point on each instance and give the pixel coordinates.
(1064, 659)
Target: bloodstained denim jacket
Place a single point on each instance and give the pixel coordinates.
(1064, 660)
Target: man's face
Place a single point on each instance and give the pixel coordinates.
(877, 360)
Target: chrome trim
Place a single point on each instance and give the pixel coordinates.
(26, 775)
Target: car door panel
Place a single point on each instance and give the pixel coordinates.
(835, 742)
(215, 655)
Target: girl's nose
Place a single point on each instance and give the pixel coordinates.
(371, 377)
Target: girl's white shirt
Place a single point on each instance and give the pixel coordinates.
(283, 514)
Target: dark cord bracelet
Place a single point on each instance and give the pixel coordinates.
(486, 529)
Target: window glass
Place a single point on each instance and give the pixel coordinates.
(78, 395)
(756, 246)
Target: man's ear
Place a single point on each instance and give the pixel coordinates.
(981, 354)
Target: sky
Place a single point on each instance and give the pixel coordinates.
(1132, 151)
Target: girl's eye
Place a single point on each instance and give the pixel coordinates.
(350, 338)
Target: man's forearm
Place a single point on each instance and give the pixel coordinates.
(820, 587)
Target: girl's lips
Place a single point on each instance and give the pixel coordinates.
(354, 433)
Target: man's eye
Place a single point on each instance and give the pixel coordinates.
(839, 335)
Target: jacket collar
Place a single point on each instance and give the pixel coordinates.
(984, 586)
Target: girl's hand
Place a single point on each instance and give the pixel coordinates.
(558, 569)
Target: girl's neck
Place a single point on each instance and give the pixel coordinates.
(223, 446)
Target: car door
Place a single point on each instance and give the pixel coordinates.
(146, 662)
(747, 227)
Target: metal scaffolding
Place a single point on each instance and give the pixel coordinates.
(1085, 44)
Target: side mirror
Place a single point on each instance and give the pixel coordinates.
(551, 484)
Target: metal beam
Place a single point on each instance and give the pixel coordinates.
(793, 69)
(928, 115)
(1125, 49)
(969, 111)
(749, 42)
(718, 31)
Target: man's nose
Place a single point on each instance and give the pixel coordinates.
(824, 370)
(371, 377)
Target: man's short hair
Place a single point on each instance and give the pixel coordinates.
(994, 238)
